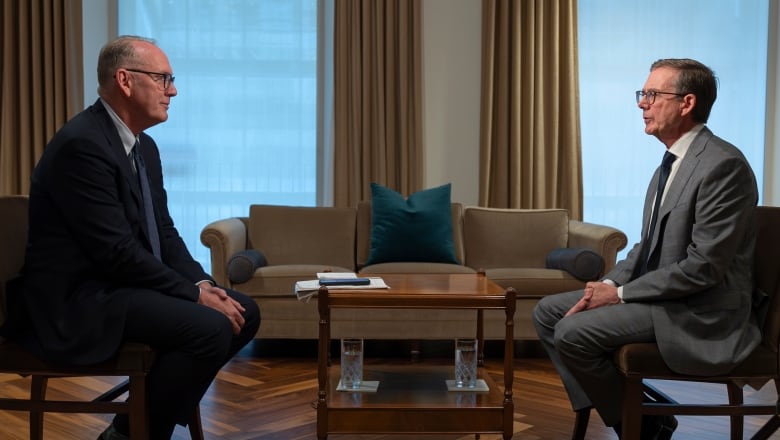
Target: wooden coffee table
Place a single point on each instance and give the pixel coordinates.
(414, 399)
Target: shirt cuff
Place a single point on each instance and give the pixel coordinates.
(619, 288)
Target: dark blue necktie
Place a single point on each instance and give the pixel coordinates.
(663, 176)
(146, 194)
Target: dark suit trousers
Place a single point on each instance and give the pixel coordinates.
(193, 343)
(582, 345)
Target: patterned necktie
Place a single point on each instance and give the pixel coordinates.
(663, 176)
(146, 194)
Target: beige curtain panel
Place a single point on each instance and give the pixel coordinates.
(41, 82)
(377, 98)
(529, 129)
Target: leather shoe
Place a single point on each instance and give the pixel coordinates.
(658, 427)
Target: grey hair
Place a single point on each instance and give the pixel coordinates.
(114, 55)
(696, 78)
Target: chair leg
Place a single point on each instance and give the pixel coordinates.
(37, 394)
(773, 424)
(138, 414)
(632, 407)
(655, 395)
(580, 424)
(114, 392)
(737, 421)
(195, 425)
(768, 429)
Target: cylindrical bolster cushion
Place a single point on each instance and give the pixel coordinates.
(583, 264)
(242, 265)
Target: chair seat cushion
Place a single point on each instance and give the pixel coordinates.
(645, 360)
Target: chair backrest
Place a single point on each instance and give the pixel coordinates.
(767, 270)
(13, 239)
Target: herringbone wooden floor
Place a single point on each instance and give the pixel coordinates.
(266, 393)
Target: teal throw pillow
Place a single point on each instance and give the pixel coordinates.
(415, 229)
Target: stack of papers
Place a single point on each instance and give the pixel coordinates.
(305, 289)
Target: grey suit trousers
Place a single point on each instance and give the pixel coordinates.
(582, 345)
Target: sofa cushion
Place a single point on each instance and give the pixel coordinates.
(276, 281)
(414, 267)
(418, 228)
(513, 238)
(534, 283)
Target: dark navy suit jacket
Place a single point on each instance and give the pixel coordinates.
(88, 249)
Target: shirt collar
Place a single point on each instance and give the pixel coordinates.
(680, 146)
(127, 136)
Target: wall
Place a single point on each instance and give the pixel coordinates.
(451, 88)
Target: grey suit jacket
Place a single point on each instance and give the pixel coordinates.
(700, 293)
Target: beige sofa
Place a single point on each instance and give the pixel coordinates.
(510, 245)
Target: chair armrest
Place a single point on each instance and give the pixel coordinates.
(604, 240)
(224, 238)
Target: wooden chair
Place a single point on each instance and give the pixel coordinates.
(132, 361)
(637, 362)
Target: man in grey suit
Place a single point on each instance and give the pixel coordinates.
(687, 285)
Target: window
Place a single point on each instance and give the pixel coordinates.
(618, 41)
(242, 129)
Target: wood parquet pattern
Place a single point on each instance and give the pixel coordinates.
(266, 393)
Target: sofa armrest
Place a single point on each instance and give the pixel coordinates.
(224, 238)
(604, 240)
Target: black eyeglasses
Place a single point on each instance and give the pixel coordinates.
(650, 95)
(167, 78)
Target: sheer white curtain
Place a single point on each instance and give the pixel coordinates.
(618, 41)
(242, 129)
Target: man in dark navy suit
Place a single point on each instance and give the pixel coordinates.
(105, 263)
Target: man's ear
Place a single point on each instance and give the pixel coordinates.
(123, 80)
(687, 104)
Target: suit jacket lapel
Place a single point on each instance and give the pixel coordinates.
(118, 150)
(685, 171)
(681, 179)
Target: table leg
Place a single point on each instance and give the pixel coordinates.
(509, 362)
(323, 362)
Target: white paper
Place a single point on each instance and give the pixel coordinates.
(305, 289)
(335, 275)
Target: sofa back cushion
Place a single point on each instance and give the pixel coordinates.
(303, 234)
(364, 230)
(500, 238)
